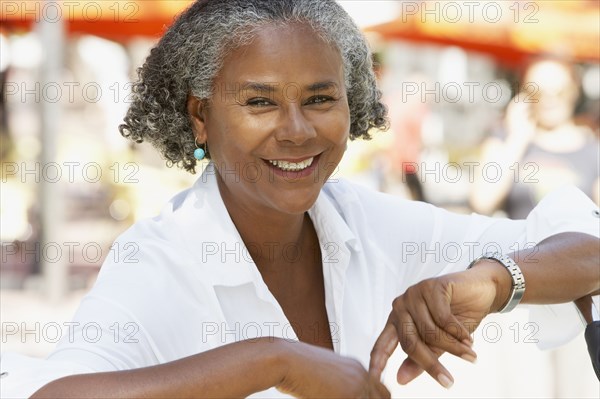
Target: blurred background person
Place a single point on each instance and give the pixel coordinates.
(542, 149)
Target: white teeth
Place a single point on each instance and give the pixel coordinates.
(293, 166)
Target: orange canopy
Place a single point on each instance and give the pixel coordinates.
(511, 31)
(112, 19)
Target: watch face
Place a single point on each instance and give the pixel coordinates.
(592, 338)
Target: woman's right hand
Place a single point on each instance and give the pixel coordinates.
(312, 372)
(519, 122)
(233, 370)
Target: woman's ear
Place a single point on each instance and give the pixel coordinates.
(196, 111)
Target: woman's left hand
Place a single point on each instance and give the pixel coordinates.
(432, 317)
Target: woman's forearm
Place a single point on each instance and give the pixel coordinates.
(234, 370)
(562, 268)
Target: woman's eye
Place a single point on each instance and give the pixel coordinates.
(319, 100)
(259, 102)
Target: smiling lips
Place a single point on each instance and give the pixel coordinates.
(292, 166)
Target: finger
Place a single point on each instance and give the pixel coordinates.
(439, 328)
(439, 338)
(408, 371)
(378, 390)
(452, 327)
(383, 349)
(442, 316)
(381, 391)
(425, 357)
(431, 333)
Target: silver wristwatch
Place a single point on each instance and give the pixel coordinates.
(518, 281)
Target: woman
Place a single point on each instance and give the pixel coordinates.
(543, 149)
(250, 278)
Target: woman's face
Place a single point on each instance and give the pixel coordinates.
(553, 94)
(278, 122)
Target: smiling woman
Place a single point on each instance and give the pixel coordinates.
(281, 111)
(192, 53)
(293, 139)
(266, 276)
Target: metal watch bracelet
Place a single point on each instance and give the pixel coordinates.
(518, 281)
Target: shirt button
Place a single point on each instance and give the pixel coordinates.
(4, 374)
(596, 213)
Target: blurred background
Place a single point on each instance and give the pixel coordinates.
(492, 105)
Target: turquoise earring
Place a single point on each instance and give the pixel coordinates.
(199, 153)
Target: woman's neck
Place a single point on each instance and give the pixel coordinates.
(562, 139)
(267, 233)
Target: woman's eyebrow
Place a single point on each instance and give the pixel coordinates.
(259, 86)
(272, 86)
(327, 85)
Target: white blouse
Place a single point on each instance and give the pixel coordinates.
(185, 283)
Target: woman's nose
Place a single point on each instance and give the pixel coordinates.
(294, 127)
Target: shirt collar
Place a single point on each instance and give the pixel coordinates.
(218, 248)
(326, 215)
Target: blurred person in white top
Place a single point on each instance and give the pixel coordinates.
(543, 149)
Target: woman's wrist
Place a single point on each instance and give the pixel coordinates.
(500, 278)
(276, 359)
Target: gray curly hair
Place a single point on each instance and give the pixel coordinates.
(190, 54)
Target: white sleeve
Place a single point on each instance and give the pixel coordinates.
(138, 314)
(565, 210)
(568, 210)
(102, 336)
(423, 241)
(21, 376)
